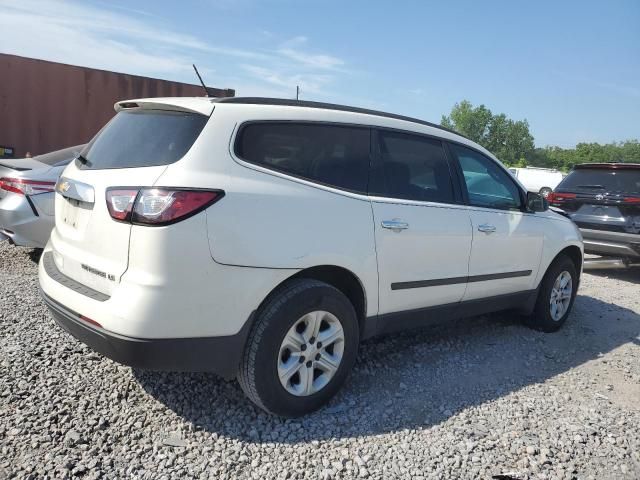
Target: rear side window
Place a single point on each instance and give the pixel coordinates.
(333, 155)
(412, 167)
(143, 138)
(602, 180)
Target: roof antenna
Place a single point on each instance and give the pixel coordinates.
(206, 92)
(297, 92)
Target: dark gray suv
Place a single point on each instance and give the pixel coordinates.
(603, 199)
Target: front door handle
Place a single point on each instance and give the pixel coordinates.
(486, 228)
(395, 225)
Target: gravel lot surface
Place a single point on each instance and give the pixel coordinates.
(480, 398)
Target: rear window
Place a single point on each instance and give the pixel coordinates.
(332, 155)
(602, 180)
(143, 138)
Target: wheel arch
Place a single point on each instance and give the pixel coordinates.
(574, 253)
(342, 279)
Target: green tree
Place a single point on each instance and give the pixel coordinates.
(507, 139)
(512, 142)
(566, 158)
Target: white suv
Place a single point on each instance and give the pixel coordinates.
(265, 239)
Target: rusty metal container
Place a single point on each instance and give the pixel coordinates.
(47, 106)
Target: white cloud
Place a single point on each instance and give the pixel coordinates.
(98, 36)
(312, 60)
(308, 82)
(292, 49)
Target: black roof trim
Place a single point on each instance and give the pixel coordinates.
(330, 106)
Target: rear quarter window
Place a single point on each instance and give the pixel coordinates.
(333, 155)
(143, 138)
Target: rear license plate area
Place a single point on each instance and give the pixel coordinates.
(70, 212)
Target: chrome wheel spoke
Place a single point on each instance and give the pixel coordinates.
(288, 371)
(306, 380)
(293, 340)
(330, 335)
(328, 363)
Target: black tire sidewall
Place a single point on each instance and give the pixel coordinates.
(271, 392)
(543, 319)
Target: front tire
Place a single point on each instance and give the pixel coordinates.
(556, 296)
(286, 368)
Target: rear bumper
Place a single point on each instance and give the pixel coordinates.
(602, 242)
(220, 355)
(23, 223)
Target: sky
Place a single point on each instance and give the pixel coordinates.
(571, 68)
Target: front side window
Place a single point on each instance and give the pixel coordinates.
(487, 184)
(332, 155)
(412, 167)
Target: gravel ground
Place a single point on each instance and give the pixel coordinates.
(480, 398)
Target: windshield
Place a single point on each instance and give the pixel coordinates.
(603, 180)
(143, 138)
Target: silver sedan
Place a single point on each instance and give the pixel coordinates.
(27, 196)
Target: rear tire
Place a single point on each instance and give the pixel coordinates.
(556, 296)
(282, 341)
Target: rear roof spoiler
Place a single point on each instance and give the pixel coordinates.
(203, 106)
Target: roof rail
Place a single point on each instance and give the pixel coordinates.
(330, 106)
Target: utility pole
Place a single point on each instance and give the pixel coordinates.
(297, 92)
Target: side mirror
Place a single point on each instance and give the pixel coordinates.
(536, 202)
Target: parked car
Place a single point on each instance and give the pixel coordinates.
(263, 239)
(534, 179)
(27, 196)
(603, 199)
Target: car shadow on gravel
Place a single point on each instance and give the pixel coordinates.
(34, 254)
(411, 380)
(631, 274)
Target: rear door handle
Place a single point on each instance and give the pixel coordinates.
(486, 228)
(395, 224)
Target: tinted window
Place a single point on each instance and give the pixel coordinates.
(599, 180)
(488, 185)
(333, 155)
(412, 167)
(143, 138)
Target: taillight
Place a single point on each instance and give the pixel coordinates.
(632, 200)
(555, 197)
(120, 203)
(158, 206)
(26, 187)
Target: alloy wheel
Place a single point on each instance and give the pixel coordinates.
(310, 353)
(560, 296)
